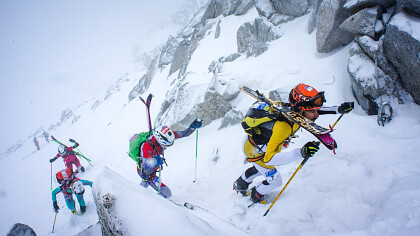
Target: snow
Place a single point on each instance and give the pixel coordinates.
(370, 187)
(407, 23)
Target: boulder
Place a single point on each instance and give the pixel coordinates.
(244, 7)
(214, 9)
(402, 48)
(19, 229)
(277, 18)
(229, 6)
(329, 36)
(355, 6)
(362, 23)
(294, 8)
(361, 70)
(232, 117)
(265, 8)
(252, 37)
(411, 6)
(314, 16)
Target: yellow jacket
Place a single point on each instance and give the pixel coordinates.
(281, 131)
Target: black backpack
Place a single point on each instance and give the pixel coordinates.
(258, 114)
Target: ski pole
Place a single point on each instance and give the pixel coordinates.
(160, 180)
(332, 127)
(300, 166)
(51, 176)
(54, 222)
(196, 149)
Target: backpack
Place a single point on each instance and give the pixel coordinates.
(135, 142)
(260, 113)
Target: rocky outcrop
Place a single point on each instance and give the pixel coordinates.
(244, 7)
(294, 8)
(145, 81)
(252, 37)
(403, 50)
(362, 23)
(362, 76)
(232, 117)
(19, 229)
(167, 54)
(330, 16)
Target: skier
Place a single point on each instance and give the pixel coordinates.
(69, 184)
(69, 157)
(36, 143)
(149, 155)
(263, 146)
(46, 136)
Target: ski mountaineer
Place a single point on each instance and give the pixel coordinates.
(69, 157)
(36, 143)
(264, 147)
(149, 155)
(69, 184)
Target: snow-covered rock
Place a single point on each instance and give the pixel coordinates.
(402, 48)
(126, 208)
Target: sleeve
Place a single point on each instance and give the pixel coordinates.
(184, 133)
(86, 182)
(281, 131)
(54, 194)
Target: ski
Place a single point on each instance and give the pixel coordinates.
(321, 133)
(147, 104)
(78, 153)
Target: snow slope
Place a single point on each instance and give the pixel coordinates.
(370, 187)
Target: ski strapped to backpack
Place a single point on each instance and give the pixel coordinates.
(78, 153)
(321, 133)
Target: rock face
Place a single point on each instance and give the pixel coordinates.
(330, 16)
(294, 8)
(252, 37)
(403, 50)
(19, 229)
(145, 81)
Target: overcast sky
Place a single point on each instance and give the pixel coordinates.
(54, 54)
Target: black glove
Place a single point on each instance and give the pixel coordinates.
(197, 123)
(52, 160)
(72, 140)
(56, 208)
(309, 149)
(346, 107)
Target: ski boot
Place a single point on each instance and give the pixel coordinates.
(256, 197)
(73, 211)
(241, 186)
(82, 210)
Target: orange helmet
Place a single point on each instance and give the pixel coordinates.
(304, 98)
(64, 174)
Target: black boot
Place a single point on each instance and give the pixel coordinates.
(82, 209)
(241, 186)
(256, 197)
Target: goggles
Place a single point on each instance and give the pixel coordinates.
(313, 103)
